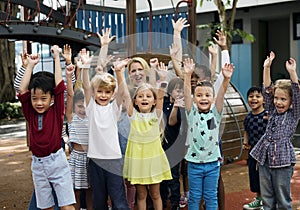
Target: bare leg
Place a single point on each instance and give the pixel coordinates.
(155, 196)
(141, 196)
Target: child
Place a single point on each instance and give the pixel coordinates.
(78, 139)
(45, 129)
(105, 163)
(255, 125)
(203, 153)
(172, 114)
(145, 161)
(274, 151)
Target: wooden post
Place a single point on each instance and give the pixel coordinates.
(131, 27)
(192, 21)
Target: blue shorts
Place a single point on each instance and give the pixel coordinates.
(52, 170)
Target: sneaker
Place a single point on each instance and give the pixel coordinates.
(183, 202)
(256, 204)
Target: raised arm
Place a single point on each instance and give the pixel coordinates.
(213, 51)
(32, 61)
(267, 69)
(174, 49)
(221, 41)
(227, 71)
(57, 74)
(178, 26)
(69, 108)
(189, 67)
(291, 69)
(103, 59)
(21, 71)
(123, 93)
(162, 71)
(86, 60)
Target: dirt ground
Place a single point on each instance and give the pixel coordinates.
(16, 182)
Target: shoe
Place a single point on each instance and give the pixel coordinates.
(256, 204)
(183, 202)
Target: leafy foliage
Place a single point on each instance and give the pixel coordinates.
(10, 110)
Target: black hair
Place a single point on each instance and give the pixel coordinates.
(174, 83)
(253, 89)
(42, 80)
(205, 83)
(205, 69)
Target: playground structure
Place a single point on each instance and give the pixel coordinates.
(59, 28)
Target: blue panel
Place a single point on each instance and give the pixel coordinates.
(106, 20)
(113, 24)
(86, 20)
(94, 25)
(119, 26)
(156, 35)
(241, 59)
(145, 36)
(79, 19)
(139, 37)
(100, 22)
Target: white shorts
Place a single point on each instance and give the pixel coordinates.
(52, 170)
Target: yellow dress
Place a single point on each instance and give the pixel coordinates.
(145, 160)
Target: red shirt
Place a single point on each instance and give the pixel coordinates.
(46, 140)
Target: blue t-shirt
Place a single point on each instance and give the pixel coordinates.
(203, 135)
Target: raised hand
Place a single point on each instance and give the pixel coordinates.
(188, 66)
(179, 101)
(67, 53)
(55, 50)
(70, 69)
(33, 60)
(105, 39)
(269, 59)
(85, 56)
(227, 70)
(153, 63)
(24, 56)
(221, 39)
(291, 65)
(103, 63)
(180, 24)
(119, 64)
(162, 71)
(212, 49)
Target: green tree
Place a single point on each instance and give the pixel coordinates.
(7, 64)
(226, 22)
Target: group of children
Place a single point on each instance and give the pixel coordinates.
(118, 149)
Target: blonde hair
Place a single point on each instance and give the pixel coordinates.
(143, 86)
(103, 80)
(140, 60)
(284, 84)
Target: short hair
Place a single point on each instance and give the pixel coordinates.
(78, 96)
(205, 83)
(42, 80)
(103, 80)
(205, 69)
(143, 86)
(284, 84)
(174, 83)
(253, 89)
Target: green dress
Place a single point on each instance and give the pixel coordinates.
(145, 160)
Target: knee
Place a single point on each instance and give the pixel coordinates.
(141, 195)
(155, 194)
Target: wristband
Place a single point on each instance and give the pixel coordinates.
(163, 84)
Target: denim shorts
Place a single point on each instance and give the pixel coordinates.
(52, 170)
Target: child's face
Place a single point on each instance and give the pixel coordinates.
(79, 108)
(137, 73)
(255, 100)
(177, 92)
(145, 100)
(282, 100)
(40, 101)
(203, 97)
(103, 95)
(194, 80)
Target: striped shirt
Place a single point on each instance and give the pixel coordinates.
(78, 130)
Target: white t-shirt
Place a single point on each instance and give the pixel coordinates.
(103, 131)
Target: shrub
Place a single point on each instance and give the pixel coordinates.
(10, 110)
